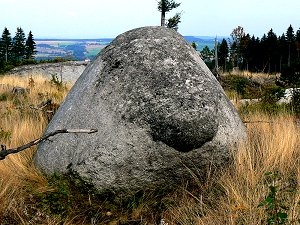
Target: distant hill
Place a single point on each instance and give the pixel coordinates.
(203, 41)
(77, 49)
(81, 49)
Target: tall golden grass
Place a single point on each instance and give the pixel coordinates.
(254, 75)
(20, 124)
(233, 198)
(271, 146)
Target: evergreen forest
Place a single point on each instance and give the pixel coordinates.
(17, 50)
(270, 54)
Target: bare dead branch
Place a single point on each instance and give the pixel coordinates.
(259, 121)
(41, 109)
(5, 152)
(42, 105)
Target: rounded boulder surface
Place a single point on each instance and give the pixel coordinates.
(159, 111)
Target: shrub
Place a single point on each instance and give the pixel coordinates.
(272, 94)
(277, 203)
(3, 97)
(295, 103)
(240, 85)
(56, 82)
(291, 75)
(6, 67)
(245, 87)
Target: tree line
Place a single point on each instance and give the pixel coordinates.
(269, 54)
(17, 49)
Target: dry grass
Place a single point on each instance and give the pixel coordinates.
(231, 199)
(245, 73)
(235, 197)
(18, 125)
(234, 97)
(40, 87)
(270, 147)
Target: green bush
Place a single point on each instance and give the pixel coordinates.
(244, 86)
(272, 94)
(29, 62)
(279, 199)
(240, 85)
(5, 67)
(291, 75)
(268, 104)
(295, 103)
(3, 97)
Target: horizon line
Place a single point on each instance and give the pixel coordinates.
(99, 38)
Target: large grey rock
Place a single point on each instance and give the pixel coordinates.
(159, 110)
(67, 71)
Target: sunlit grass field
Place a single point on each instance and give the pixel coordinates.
(238, 194)
(19, 125)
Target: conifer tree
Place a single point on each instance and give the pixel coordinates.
(283, 50)
(233, 53)
(253, 52)
(290, 37)
(19, 45)
(298, 43)
(272, 50)
(245, 51)
(257, 54)
(165, 6)
(30, 47)
(194, 45)
(5, 46)
(236, 36)
(223, 53)
(263, 55)
(206, 54)
(174, 21)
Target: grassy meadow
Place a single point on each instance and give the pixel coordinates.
(261, 186)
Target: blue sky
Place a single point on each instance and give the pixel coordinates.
(99, 18)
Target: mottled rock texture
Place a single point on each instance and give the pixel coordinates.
(65, 71)
(160, 112)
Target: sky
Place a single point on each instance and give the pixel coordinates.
(108, 18)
